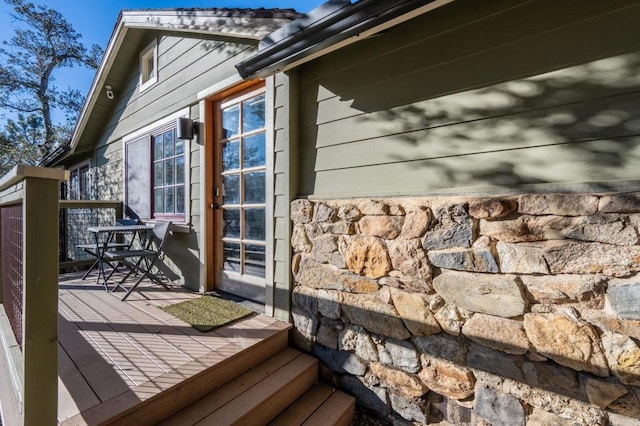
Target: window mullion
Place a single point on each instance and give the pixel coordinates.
(242, 189)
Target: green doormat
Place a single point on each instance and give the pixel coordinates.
(206, 313)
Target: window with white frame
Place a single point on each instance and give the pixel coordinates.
(149, 66)
(79, 184)
(155, 173)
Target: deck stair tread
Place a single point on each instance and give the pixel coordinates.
(304, 406)
(320, 405)
(338, 410)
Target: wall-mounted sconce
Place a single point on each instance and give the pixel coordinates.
(109, 91)
(186, 128)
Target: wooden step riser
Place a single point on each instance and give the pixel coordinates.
(319, 406)
(186, 392)
(338, 410)
(304, 406)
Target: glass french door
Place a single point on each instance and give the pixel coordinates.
(240, 189)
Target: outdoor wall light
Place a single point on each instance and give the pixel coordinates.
(109, 91)
(186, 128)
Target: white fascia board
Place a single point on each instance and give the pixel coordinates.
(203, 22)
(115, 42)
(199, 22)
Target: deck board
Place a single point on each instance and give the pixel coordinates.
(73, 389)
(142, 342)
(114, 354)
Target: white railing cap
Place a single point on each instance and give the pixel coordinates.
(22, 171)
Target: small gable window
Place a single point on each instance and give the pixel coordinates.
(149, 66)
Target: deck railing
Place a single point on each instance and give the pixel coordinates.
(11, 264)
(29, 296)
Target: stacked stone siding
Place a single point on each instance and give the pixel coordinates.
(520, 310)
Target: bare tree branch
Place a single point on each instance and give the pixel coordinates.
(43, 42)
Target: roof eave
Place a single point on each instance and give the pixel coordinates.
(117, 37)
(201, 22)
(342, 27)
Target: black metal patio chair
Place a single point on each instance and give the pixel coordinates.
(141, 261)
(93, 249)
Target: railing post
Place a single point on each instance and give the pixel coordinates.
(29, 310)
(40, 301)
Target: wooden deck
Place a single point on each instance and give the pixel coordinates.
(114, 356)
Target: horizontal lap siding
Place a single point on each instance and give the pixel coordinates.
(467, 97)
(185, 67)
(107, 172)
(282, 196)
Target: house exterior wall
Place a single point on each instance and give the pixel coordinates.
(461, 247)
(475, 96)
(185, 67)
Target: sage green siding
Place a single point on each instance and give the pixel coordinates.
(476, 96)
(185, 67)
(284, 188)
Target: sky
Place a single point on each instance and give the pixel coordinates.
(95, 20)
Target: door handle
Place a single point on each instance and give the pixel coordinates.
(215, 206)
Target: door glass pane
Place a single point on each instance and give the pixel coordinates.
(242, 155)
(169, 196)
(254, 151)
(179, 169)
(157, 200)
(254, 187)
(168, 172)
(231, 155)
(253, 114)
(230, 121)
(231, 223)
(157, 147)
(180, 199)
(231, 189)
(168, 143)
(231, 257)
(254, 228)
(157, 173)
(254, 257)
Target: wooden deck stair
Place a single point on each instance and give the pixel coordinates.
(265, 383)
(282, 390)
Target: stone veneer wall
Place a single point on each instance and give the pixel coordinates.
(504, 311)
